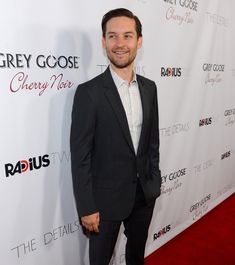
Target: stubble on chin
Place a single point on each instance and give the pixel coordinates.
(121, 65)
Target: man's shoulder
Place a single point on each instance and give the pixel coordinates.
(96, 83)
(146, 82)
(92, 82)
(92, 87)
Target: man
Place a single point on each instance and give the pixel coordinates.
(115, 146)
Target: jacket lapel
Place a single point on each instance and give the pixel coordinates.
(145, 109)
(114, 99)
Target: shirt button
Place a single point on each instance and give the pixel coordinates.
(138, 175)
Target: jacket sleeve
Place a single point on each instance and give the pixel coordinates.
(81, 146)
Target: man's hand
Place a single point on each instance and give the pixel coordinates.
(91, 222)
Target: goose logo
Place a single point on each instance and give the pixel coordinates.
(8, 60)
(24, 165)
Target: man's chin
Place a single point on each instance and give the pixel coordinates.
(121, 65)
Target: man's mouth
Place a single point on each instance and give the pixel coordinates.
(120, 52)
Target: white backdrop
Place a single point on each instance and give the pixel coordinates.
(47, 48)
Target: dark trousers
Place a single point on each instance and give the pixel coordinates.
(136, 226)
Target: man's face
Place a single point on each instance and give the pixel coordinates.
(121, 42)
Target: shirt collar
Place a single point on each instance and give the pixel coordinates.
(119, 81)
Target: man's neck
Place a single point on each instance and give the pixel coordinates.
(125, 73)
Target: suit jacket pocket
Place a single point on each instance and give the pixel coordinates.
(152, 186)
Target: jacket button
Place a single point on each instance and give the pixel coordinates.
(138, 175)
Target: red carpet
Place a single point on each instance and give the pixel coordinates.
(209, 241)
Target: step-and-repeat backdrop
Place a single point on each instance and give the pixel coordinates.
(47, 48)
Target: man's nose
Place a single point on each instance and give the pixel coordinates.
(120, 42)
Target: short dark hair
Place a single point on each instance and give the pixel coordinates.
(121, 12)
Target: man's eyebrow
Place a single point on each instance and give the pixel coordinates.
(127, 32)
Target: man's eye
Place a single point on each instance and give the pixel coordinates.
(128, 36)
(111, 36)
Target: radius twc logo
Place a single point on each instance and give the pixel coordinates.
(162, 232)
(26, 165)
(171, 71)
(205, 121)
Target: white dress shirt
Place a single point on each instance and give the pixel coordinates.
(131, 101)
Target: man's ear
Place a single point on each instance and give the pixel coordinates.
(103, 42)
(139, 42)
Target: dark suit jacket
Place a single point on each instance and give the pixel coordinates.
(104, 164)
